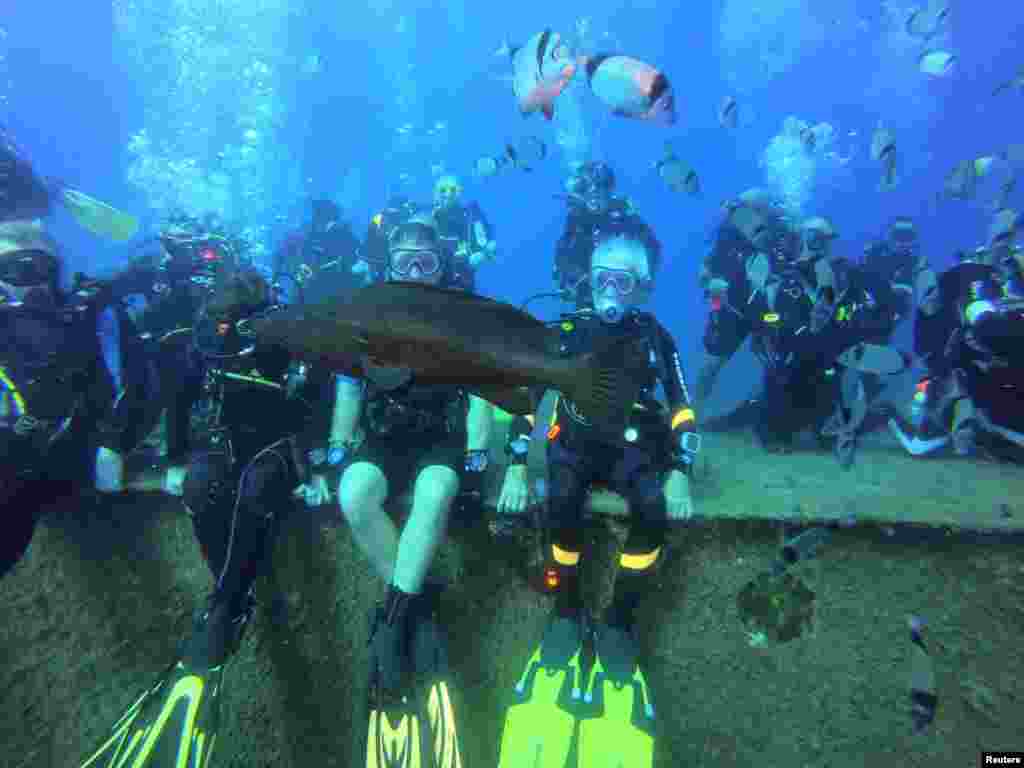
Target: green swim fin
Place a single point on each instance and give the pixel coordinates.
(174, 723)
(98, 217)
(540, 725)
(617, 730)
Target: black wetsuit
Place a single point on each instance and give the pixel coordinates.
(246, 458)
(986, 355)
(329, 253)
(736, 314)
(455, 226)
(898, 266)
(633, 465)
(58, 404)
(800, 386)
(410, 428)
(172, 299)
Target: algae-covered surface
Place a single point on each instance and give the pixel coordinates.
(95, 611)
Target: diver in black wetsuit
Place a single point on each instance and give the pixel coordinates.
(319, 258)
(971, 338)
(175, 279)
(899, 260)
(592, 207)
(752, 246)
(373, 262)
(73, 382)
(52, 383)
(464, 231)
(648, 464)
(245, 462)
(820, 326)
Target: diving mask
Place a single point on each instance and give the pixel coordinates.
(403, 261)
(623, 281)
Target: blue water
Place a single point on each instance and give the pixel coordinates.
(75, 100)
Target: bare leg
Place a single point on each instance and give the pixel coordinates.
(362, 492)
(433, 494)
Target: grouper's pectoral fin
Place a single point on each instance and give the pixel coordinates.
(515, 400)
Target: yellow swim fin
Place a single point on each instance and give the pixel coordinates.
(417, 729)
(98, 217)
(617, 730)
(175, 722)
(396, 738)
(540, 725)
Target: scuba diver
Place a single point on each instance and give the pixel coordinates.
(820, 326)
(753, 244)
(465, 231)
(68, 397)
(175, 279)
(583, 671)
(390, 435)
(72, 382)
(592, 206)
(373, 262)
(898, 260)
(176, 273)
(241, 476)
(320, 257)
(972, 346)
(823, 336)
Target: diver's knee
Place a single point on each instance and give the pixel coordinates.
(435, 487)
(361, 490)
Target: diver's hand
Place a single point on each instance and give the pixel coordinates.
(486, 253)
(678, 502)
(717, 286)
(821, 314)
(174, 480)
(315, 493)
(108, 474)
(514, 491)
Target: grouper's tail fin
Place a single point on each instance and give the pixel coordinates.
(605, 384)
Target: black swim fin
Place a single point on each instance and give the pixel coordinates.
(175, 722)
(416, 727)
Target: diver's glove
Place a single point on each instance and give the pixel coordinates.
(108, 475)
(174, 480)
(316, 492)
(486, 253)
(477, 461)
(717, 287)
